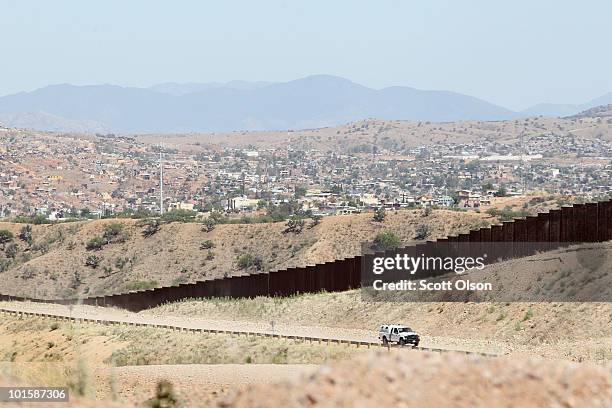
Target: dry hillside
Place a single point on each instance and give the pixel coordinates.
(55, 262)
(577, 331)
(392, 135)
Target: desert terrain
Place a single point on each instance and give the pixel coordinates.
(555, 342)
(392, 135)
(55, 263)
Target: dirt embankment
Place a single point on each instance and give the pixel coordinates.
(57, 263)
(415, 379)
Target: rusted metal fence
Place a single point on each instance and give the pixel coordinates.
(591, 222)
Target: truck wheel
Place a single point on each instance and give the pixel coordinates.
(401, 342)
(416, 344)
(385, 341)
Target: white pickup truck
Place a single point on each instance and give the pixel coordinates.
(397, 333)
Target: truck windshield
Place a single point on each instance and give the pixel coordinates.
(404, 329)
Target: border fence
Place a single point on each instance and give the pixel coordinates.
(580, 223)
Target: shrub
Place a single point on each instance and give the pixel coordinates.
(249, 261)
(121, 262)
(506, 214)
(113, 233)
(208, 244)
(76, 280)
(316, 219)
(25, 234)
(165, 396)
(208, 225)
(422, 232)
(6, 236)
(93, 261)
(141, 285)
(151, 227)
(4, 265)
(386, 240)
(11, 251)
(36, 220)
(95, 244)
(379, 214)
(295, 226)
(178, 216)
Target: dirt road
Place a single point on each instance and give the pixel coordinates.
(334, 333)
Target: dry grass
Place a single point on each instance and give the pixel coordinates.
(55, 264)
(85, 357)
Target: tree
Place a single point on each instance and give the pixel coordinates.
(379, 214)
(501, 192)
(300, 191)
(6, 236)
(386, 240)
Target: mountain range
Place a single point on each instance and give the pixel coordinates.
(314, 101)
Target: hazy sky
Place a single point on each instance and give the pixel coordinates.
(515, 53)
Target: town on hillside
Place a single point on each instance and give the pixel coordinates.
(55, 176)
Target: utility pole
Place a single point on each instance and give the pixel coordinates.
(161, 183)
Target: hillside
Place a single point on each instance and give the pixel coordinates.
(360, 137)
(602, 111)
(55, 264)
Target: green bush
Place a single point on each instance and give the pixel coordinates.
(93, 261)
(179, 216)
(151, 227)
(6, 236)
(36, 220)
(141, 285)
(506, 214)
(208, 244)
(95, 244)
(422, 232)
(385, 241)
(249, 261)
(113, 233)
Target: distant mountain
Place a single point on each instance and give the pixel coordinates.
(174, 88)
(314, 101)
(46, 121)
(560, 110)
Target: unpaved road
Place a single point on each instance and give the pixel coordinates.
(196, 322)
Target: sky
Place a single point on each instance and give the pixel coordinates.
(515, 53)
